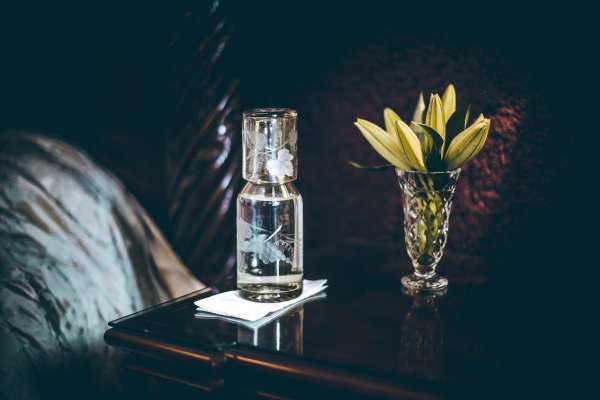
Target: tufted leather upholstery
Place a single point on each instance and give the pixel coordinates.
(204, 143)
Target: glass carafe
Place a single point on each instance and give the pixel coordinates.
(269, 208)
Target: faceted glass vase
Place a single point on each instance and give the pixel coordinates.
(426, 203)
(269, 209)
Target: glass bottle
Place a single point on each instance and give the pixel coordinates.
(269, 208)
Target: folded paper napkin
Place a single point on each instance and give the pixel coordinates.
(230, 304)
(259, 323)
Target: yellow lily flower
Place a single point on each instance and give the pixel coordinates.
(449, 102)
(382, 143)
(435, 115)
(468, 143)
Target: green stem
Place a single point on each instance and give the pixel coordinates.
(430, 221)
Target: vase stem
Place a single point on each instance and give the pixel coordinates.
(426, 276)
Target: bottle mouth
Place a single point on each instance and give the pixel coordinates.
(262, 113)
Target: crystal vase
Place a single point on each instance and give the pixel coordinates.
(426, 202)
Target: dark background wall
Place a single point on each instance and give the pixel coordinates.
(99, 74)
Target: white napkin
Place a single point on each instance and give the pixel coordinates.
(230, 304)
(259, 323)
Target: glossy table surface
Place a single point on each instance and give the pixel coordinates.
(364, 325)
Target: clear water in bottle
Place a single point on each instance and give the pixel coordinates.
(269, 242)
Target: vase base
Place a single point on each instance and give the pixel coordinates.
(413, 283)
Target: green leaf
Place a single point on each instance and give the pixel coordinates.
(457, 123)
(435, 163)
(419, 114)
(424, 138)
(433, 159)
(374, 168)
(435, 115)
(438, 140)
(449, 101)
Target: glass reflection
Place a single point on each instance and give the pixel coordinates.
(422, 339)
(285, 334)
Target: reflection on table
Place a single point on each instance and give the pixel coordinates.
(282, 335)
(422, 338)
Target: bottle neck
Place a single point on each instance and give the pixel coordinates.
(271, 190)
(270, 180)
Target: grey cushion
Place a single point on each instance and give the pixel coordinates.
(76, 251)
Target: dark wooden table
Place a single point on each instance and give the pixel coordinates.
(364, 339)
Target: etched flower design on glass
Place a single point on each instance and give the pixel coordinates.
(282, 165)
(268, 248)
